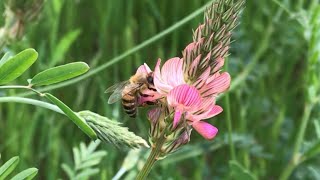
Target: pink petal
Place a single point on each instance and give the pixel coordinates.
(207, 110)
(215, 110)
(172, 72)
(194, 66)
(198, 32)
(190, 47)
(177, 117)
(218, 85)
(219, 62)
(212, 77)
(161, 86)
(204, 63)
(205, 129)
(202, 78)
(147, 67)
(184, 95)
(144, 69)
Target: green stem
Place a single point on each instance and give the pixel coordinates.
(32, 102)
(295, 159)
(153, 157)
(229, 123)
(21, 87)
(15, 87)
(126, 53)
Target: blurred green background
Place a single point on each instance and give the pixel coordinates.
(274, 63)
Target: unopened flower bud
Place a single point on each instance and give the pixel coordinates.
(183, 139)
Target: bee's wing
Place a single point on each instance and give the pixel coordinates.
(117, 86)
(133, 87)
(117, 91)
(117, 94)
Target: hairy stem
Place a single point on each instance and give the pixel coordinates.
(153, 157)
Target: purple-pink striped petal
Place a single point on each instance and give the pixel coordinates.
(217, 85)
(194, 65)
(202, 78)
(184, 95)
(215, 110)
(205, 129)
(219, 62)
(183, 99)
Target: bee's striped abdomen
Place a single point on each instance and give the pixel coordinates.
(129, 103)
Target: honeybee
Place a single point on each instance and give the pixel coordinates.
(129, 92)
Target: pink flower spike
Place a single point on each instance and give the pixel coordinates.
(183, 98)
(205, 129)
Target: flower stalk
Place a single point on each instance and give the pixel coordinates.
(153, 157)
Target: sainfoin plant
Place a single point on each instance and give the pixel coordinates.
(186, 88)
(180, 98)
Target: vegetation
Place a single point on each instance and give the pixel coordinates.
(270, 126)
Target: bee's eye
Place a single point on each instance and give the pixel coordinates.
(150, 80)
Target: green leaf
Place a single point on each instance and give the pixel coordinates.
(5, 58)
(76, 157)
(313, 150)
(87, 173)
(97, 155)
(89, 163)
(92, 146)
(72, 116)
(26, 174)
(68, 171)
(17, 65)
(8, 167)
(60, 73)
(239, 172)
